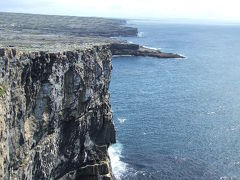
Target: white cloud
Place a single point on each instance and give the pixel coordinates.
(194, 9)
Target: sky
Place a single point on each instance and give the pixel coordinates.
(209, 10)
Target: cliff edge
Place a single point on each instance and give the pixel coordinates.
(55, 115)
(34, 32)
(56, 120)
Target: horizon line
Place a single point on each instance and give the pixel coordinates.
(170, 20)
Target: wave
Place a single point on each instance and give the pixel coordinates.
(185, 57)
(227, 178)
(119, 167)
(140, 34)
(209, 113)
(122, 55)
(151, 48)
(121, 120)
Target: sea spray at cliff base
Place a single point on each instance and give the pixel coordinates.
(118, 166)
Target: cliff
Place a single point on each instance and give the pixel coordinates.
(56, 120)
(55, 116)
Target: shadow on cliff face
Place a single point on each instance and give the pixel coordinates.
(86, 129)
(74, 101)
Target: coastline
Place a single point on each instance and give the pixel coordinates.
(50, 35)
(130, 49)
(57, 75)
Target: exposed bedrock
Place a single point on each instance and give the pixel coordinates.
(137, 50)
(56, 119)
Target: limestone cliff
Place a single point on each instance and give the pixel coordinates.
(56, 120)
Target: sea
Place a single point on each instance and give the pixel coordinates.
(178, 118)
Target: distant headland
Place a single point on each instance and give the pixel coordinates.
(34, 32)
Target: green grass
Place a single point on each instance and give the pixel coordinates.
(3, 90)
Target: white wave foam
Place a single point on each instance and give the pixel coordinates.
(152, 48)
(122, 120)
(122, 55)
(227, 177)
(209, 113)
(119, 168)
(140, 34)
(185, 57)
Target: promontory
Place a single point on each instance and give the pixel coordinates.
(56, 120)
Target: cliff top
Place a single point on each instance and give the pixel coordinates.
(51, 42)
(53, 34)
(67, 25)
(33, 32)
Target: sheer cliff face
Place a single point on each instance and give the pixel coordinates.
(55, 117)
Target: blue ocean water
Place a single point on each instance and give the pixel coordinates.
(178, 119)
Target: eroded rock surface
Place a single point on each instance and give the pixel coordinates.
(56, 120)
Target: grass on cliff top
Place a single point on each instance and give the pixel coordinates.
(3, 90)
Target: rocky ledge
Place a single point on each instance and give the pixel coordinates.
(122, 49)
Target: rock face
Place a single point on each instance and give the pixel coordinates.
(55, 117)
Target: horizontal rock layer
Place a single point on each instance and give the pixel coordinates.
(55, 116)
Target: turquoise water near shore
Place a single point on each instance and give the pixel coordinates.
(178, 119)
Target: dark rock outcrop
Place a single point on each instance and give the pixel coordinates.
(55, 117)
(137, 50)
